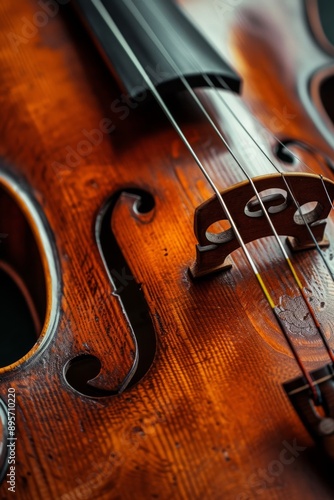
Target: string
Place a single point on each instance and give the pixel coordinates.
(138, 16)
(152, 35)
(226, 86)
(329, 199)
(109, 21)
(166, 54)
(316, 244)
(111, 24)
(315, 320)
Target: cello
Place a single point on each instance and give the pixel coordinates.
(169, 237)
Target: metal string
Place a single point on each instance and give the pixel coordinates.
(316, 244)
(108, 19)
(209, 81)
(144, 24)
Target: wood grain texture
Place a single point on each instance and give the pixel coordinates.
(210, 419)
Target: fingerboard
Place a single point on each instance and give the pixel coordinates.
(151, 29)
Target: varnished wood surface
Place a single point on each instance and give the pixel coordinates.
(210, 419)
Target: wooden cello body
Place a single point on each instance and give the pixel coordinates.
(98, 196)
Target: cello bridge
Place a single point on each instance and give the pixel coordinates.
(278, 194)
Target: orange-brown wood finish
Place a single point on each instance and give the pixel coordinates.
(210, 420)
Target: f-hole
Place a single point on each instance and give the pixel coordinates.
(82, 369)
